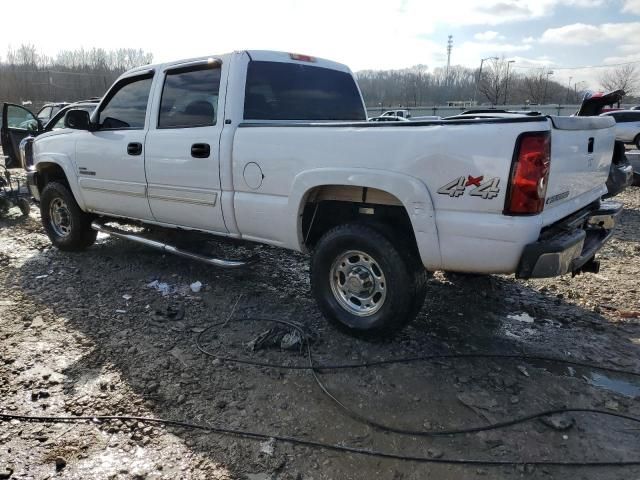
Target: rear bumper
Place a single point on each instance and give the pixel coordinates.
(569, 245)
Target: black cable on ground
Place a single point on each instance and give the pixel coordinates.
(315, 370)
(327, 446)
(391, 361)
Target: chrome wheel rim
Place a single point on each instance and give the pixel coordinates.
(358, 283)
(60, 217)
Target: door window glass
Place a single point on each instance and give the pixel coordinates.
(44, 114)
(190, 97)
(127, 107)
(21, 118)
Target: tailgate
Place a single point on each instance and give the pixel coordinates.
(581, 152)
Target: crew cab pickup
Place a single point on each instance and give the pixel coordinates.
(275, 148)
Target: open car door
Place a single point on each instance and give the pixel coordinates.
(17, 123)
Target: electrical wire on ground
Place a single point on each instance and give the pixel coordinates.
(316, 369)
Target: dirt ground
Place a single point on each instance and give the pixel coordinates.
(85, 334)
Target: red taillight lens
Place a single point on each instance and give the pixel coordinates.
(529, 174)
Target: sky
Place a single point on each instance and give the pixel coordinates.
(373, 34)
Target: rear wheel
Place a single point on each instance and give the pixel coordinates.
(365, 281)
(67, 226)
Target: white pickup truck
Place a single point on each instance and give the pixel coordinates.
(275, 148)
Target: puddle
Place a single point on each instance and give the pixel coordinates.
(622, 387)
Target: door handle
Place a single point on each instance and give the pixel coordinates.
(200, 150)
(134, 148)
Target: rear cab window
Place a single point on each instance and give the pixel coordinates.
(293, 91)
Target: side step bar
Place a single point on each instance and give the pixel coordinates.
(217, 262)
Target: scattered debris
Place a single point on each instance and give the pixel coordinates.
(196, 286)
(629, 313)
(560, 422)
(521, 317)
(127, 297)
(612, 405)
(268, 447)
(163, 287)
(172, 311)
(522, 369)
(61, 462)
(278, 337)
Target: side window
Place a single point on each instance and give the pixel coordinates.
(127, 107)
(59, 123)
(190, 97)
(293, 91)
(44, 114)
(21, 118)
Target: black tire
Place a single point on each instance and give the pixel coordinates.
(76, 223)
(24, 205)
(637, 142)
(636, 180)
(403, 278)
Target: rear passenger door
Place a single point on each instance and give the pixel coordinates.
(182, 149)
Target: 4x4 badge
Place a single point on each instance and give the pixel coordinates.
(487, 189)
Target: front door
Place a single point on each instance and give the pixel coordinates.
(182, 161)
(17, 123)
(110, 159)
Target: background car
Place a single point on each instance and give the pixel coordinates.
(397, 113)
(388, 118)
(49, 110)
(627, 125)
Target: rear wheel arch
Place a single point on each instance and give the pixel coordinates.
(384, 190)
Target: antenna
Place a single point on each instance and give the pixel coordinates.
(449, 47)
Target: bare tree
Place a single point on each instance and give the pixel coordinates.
(625, 77)
(536, 84)
(494, 80)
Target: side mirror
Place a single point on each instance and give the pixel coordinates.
(77, 119)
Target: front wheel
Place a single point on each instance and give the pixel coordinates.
(68, 227)
(637, 142)
(365, 281)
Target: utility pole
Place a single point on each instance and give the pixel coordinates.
(449, 47)
(546, 84)
(506, 86)
(568, 90)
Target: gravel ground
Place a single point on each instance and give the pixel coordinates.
(85, 334)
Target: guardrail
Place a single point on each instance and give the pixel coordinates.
(444, 111)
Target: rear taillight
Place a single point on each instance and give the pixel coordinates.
(529, 174)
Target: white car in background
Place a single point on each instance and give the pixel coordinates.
(627, 125)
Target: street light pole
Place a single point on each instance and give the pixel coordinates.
(546, 84)
(566, 100)
(506, 86)
(475, 90)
